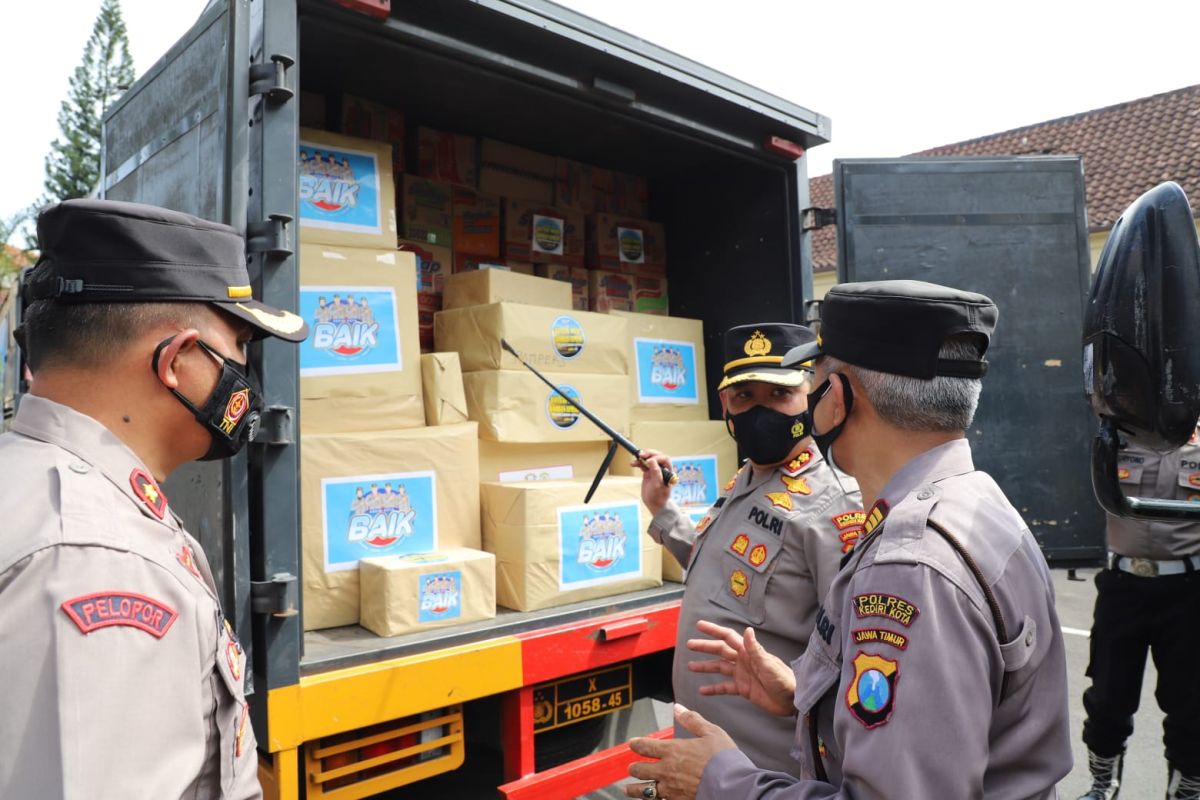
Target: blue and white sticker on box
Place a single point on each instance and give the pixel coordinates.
(666, 371)
(440, 597)
(697, 480)
(386, 514)
(354, 329)
(598, 544)
(339, 189)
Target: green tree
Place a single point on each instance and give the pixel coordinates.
(12, 257)
(73, 166)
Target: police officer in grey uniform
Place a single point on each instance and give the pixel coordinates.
(942, 672)
(768, 549)
(122, 676)
(1146, 601)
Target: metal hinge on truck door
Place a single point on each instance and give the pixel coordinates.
(813, 218)
(276, 426)
(276, 596)
(270, 236)
(270, 79)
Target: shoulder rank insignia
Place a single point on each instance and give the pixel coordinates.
(703, 524)
(872, 693)
(796, 485)
(91, 612)
(148, 492)
(739, 584)
(780, 500)
(876, 515)
(798, 463)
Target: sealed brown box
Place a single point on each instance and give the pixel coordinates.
(576, 276)
(629, 195)
(488, 285)
(465, 262)
(347, 193)
(517, 407)
(609, 291)
(426, 211)
(666, 367)
(359, 367)
(447, 157)
(442, 384)
(476, 223)
(406, 594)
(555, 339)
(372, 120)
(543, 234)
(428, 304)
(507, 462)
(433, 264)
(503, 183)
(552, 550)
(626, 244)
(581, 186)
(522, 160)
(381, 493)
(650, 295)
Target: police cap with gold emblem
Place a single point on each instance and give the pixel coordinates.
(899, 326)
(106, 251)
(755, 353)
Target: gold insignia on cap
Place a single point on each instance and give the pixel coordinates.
(236, 292)
(283, 322)
(757, 344)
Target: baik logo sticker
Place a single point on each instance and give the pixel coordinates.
(697, 480)
(378, 515)
(339, 189)
(598, 544)
(666, 371)
(354, 330)
(440, 597)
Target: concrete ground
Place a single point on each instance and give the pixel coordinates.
(1145, 770)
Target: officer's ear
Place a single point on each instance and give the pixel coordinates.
(166, 359)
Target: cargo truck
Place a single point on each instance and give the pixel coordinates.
(512, 706)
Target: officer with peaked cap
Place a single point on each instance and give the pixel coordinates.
(122, 677)
(942, 672)
(768, 549)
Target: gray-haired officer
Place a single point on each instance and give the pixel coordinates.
(941, 673)
(1147, 596)
(122, 677)
(767, 551)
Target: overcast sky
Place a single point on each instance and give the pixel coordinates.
(895, 77)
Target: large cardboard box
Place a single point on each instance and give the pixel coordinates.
(485, 286)
(626, 244)
(379, 494)
(428, 304)
(581, 186)
(609, 291)
(666, 367)
(433, 264)
(556, 339)
(629, 195)
(505, 462)
(476, 223)
(442, 383)
(576, 276)
(447, 157)
(359, 368)
(703, 453)
(504, 183)
(406, 594)
(650, 295)
(543, 233)
(517, 407)
(426, 211)
(347, 194)
(552, 550)
(494, 153)
(368, 119)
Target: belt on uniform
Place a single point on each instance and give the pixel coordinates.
(1149, 568)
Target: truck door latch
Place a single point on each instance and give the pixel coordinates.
(276, 596)
(271, 79)
(269, 236)
(813, 218)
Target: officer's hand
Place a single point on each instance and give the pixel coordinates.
(655, 493)
(681, 761)
(755, 674)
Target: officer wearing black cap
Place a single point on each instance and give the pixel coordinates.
(122, 677)
(768, 549)
(943, 674)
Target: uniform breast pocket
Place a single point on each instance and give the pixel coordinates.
(747, 565)
(233, 713)
(1022, 654)
(816, 677)
(1189, 484)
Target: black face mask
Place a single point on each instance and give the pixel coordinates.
(232, 411)
(767, 436)
(824, 440)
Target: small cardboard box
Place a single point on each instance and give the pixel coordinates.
(381, 493)
(521, 160)
(505, 462)
(426, 211)
(609, 291)
(484, 286)
(517, 407)
(703, 454)
(447, 157)
(552, 550)
(576, 276)
(625, 244)
(347, 195)
(650, 295)
(666, 367)
(406, 594)
(543, 233)
(581, 186)
(476, 223)
(428, 304)
(556, 339)
(442, 383)
(371, 120)
(359, 367)
(433, 264)
(504, 183)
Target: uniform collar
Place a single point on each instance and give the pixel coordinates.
(945, 460)
(91, 442)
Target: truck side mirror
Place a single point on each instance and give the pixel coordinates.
(1141, 342)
